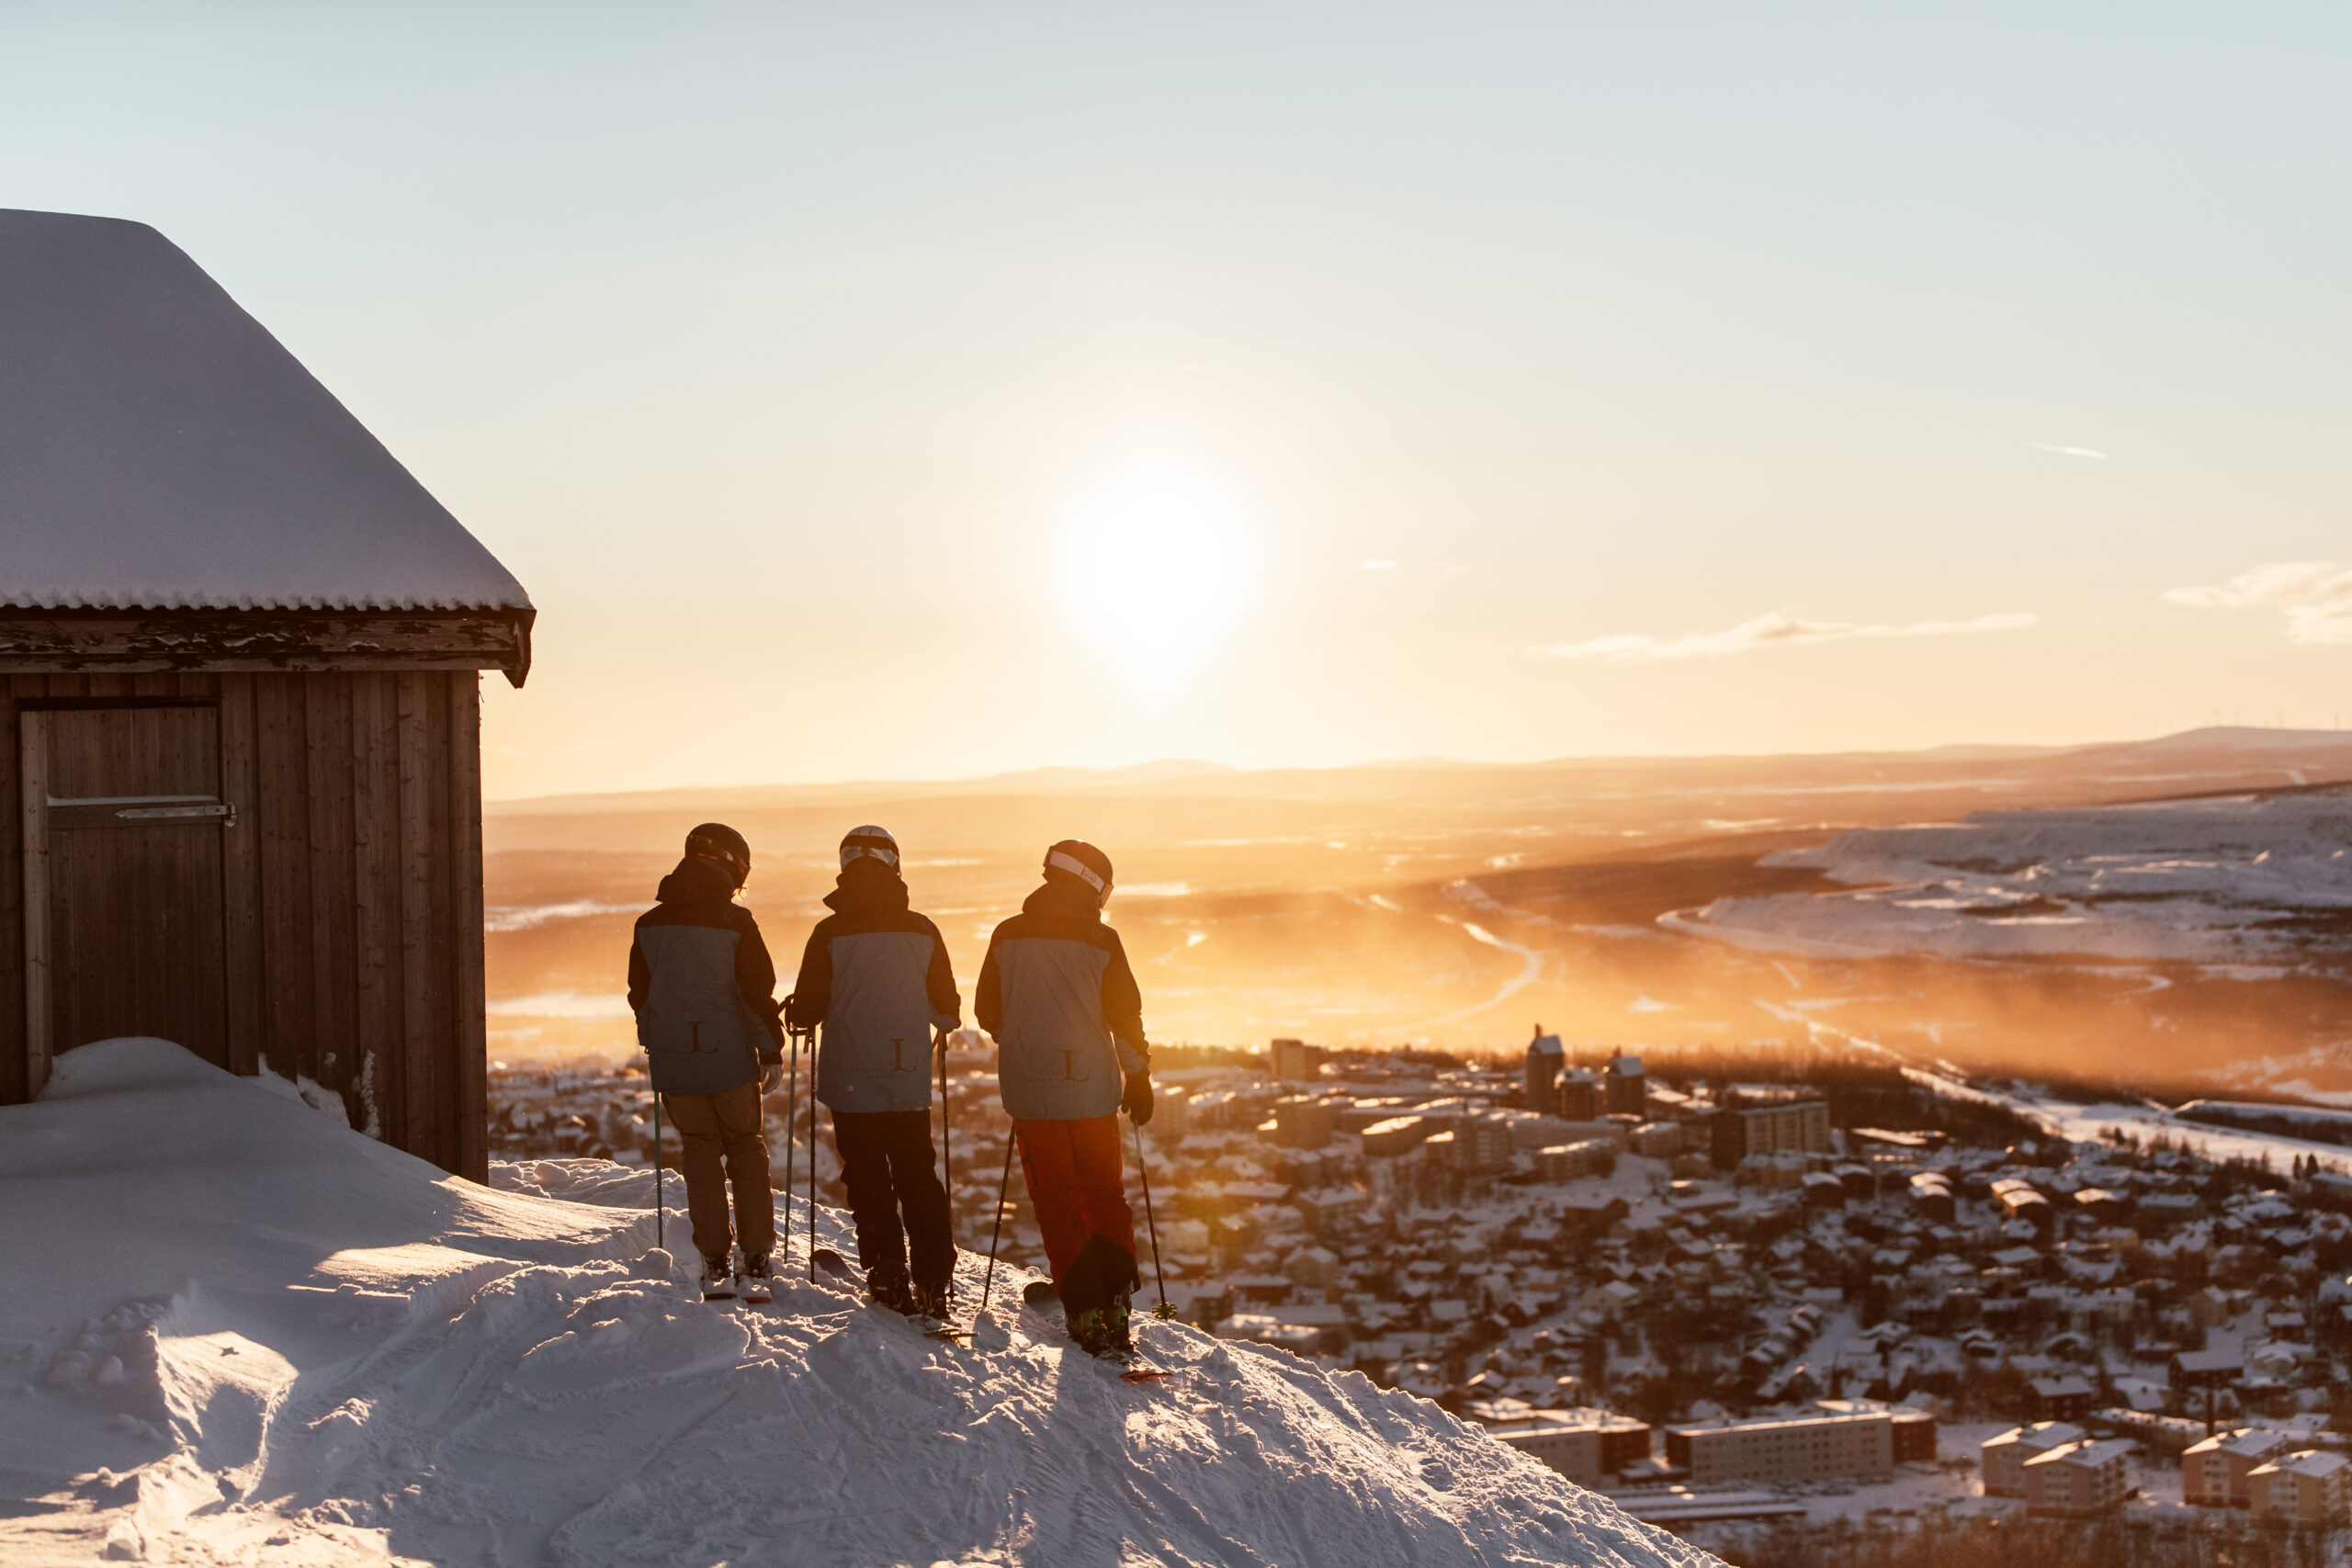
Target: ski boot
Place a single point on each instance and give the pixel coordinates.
(1089, 1332)
(752, 1284)
(717, 1281)
(930, 1302)
(1118, 1335)
(888, 1288)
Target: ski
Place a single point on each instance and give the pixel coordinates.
(834, 1266)
(1040, 1298)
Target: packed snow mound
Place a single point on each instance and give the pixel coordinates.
(2241, 880)
(253, 1334)
(158, 450)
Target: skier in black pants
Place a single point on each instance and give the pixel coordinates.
(876, 976)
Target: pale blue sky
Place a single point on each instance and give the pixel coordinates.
(779, 351)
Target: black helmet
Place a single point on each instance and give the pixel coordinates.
(1079, 861)
(716, 840)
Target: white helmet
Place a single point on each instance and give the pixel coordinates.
(873, 842)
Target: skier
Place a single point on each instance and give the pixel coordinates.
(703, 988)
(876, 976)
(1056, 993)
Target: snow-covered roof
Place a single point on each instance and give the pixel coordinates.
(160, 450)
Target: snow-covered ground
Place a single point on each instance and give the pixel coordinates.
(2223, 881)
(234, 1331)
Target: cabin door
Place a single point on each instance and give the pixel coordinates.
(123, 885)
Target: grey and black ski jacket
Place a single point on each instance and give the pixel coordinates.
(876, 976)
(1056, 993)
(702, 985)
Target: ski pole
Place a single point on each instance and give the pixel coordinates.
(1157, 1274)
(813, 1156)
(947, 1157)
(658, 1215)
(791, 1138)
(998, 1228)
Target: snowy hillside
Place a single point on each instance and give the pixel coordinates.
(232, 1330)
(2239, 880)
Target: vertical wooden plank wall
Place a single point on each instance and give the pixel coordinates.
(413, 902)
(352, 890)
(374, 943)
(32, 794)
(466, 924)
(324, 713)
(375, 903)
(241, 874)
(13, 1089)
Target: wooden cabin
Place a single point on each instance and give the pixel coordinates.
(239, 659)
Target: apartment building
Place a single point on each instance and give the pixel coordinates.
(1304, 1123)
(1915, 1430)
(1742, 1131)
(1626, 1091)
(1546, 1058)
(1587, 1446)
(1579, 1097)
(2216, 1473)
(1806, 1448)
(1295, 1061)
(2003, 1458)
(1395, 1135)
(1567, 1162)
(2310, 1487)
(2078, 1479)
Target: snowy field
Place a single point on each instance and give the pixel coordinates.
(2241, 880)
(236, 1332)
(2143, 1120)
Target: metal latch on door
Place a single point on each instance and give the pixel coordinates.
(219, 808)
(160, 807)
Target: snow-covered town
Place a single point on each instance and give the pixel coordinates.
(1736, 1307)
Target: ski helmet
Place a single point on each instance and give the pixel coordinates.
(870, 842)
(716, 840)
(1077, 859)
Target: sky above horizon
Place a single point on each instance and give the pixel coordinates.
(928, 391)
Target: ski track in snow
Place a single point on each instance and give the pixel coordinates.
(1531, 970)
(327, 1352)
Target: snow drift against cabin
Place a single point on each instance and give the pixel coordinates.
(158, 450)
(256, 1334)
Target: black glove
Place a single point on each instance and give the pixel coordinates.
(1138, 1098)
(771, 1077)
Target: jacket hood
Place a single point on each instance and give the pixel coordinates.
(695, 881)
(1063, 900)
(866, 885)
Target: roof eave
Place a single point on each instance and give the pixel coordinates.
(46, 640)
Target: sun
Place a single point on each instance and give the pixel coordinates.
(1158, 565)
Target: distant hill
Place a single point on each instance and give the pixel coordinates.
(2212, 748)
(2221, 757)
(768, 797)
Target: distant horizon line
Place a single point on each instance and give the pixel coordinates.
(1180, 769)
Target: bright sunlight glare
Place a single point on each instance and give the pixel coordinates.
(1159, 563)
